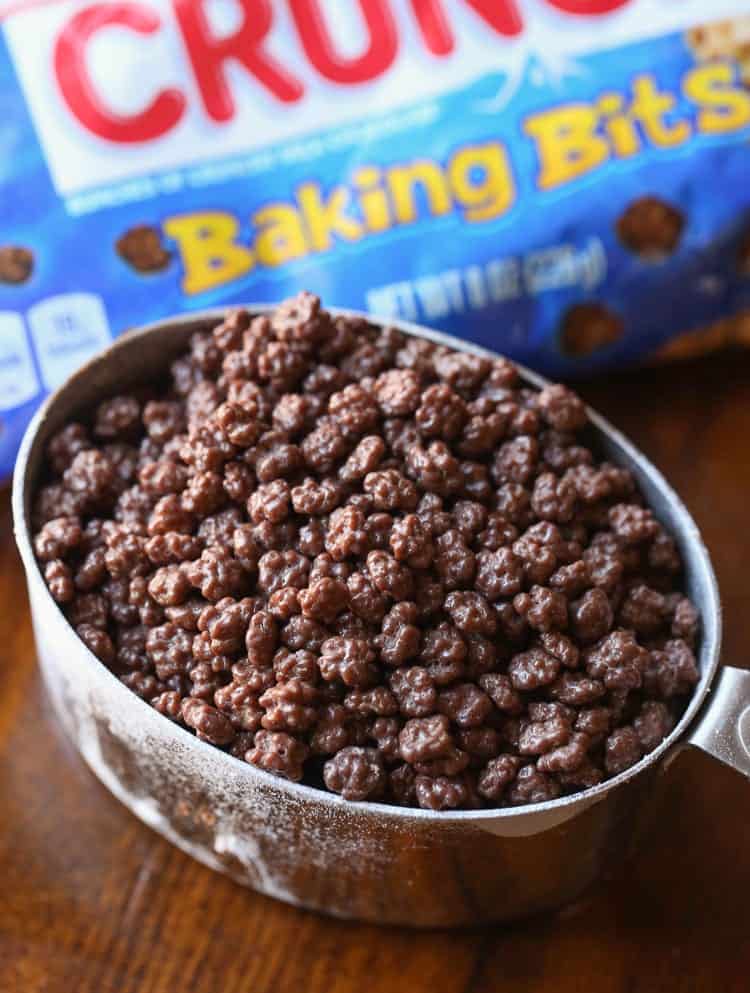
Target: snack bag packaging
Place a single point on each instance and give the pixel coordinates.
(564, 181)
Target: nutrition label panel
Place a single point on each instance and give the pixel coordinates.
(18, 378)
(66, 330)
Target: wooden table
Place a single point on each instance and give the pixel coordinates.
(94, 902)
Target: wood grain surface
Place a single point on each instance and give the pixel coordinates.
(91, 901)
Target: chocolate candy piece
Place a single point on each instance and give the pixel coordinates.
(587, 327)
(141, 247)
(650, 227)
(16, 264)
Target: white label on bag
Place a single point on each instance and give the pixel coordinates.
(18, 379)
(121, 90)
(66, 331)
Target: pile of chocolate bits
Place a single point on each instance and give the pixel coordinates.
(364, 561)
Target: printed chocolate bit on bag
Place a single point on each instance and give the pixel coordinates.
(587, 327)
(650, 227)
(141, 247)
(723, 41)
(16, 264)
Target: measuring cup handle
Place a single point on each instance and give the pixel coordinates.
(723, 729)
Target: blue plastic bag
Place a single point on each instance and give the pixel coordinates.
(565, 181)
